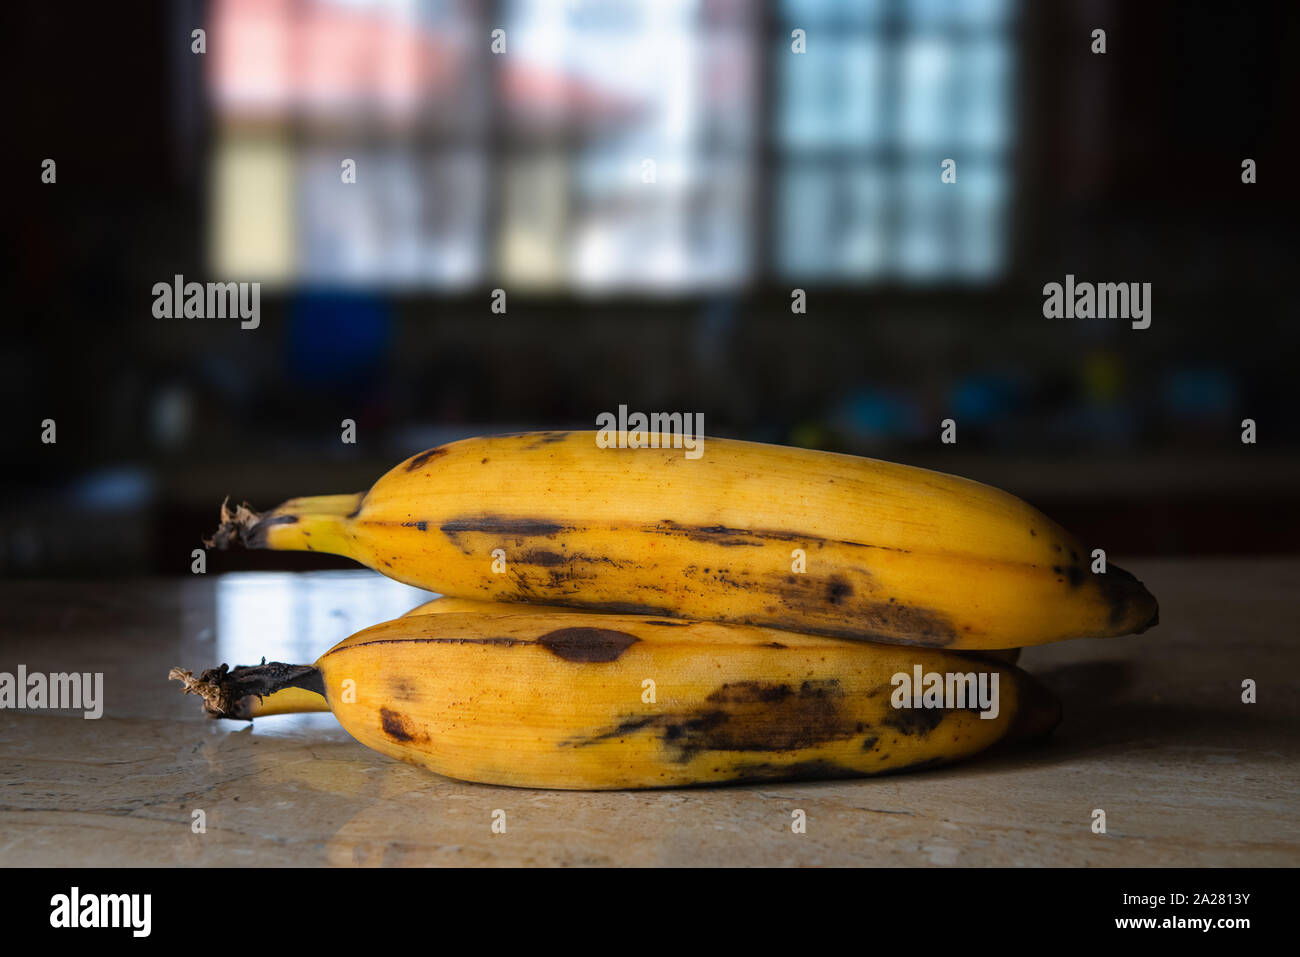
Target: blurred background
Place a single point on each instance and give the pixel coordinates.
(647, 180)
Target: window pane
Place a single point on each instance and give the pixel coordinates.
(946, 14)
(929, 13)
(830, 222)
(925, 240)
(813, 13)
(983, 13)
(984, 117)
(252, 208)
(407, 220)
(981, 219)
(926, 111)
(832, 98)
(536, 201)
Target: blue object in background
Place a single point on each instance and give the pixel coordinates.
(337, 339)
(878, 414)
(1199, 394)
(984, 400)
(120, 488)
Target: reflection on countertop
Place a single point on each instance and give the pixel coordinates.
(297, 616)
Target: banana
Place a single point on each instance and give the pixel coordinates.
(590, 701)
(751, 534)
(444, 604)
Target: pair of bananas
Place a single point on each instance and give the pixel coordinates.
(760, 613)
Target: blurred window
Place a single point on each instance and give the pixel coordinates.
(630, 144)
(864, 120)
(399, 87)
(614, 144)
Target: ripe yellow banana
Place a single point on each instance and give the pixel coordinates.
(751, 534)
(586, 701)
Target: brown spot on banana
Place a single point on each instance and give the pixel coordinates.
(399, 727)
(712, 534)
(549, 559)
(837, 590)
(404, 689)
(544, 558)
(627, 608)
(833, 606)
(730, 537)
(517, 528)
(424, 458)
(915, 721)
(931, 630)
(587, 644)
(746, 716)
(1071, 572)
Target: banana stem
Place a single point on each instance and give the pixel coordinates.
(317, 523)
(246, 692)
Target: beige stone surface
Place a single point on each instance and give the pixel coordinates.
(1155, 733)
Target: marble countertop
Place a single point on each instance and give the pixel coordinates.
(1155, 734)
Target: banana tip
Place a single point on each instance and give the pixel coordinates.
(228, 692)
(1133, 609)
(237, 524)
(210, 686)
